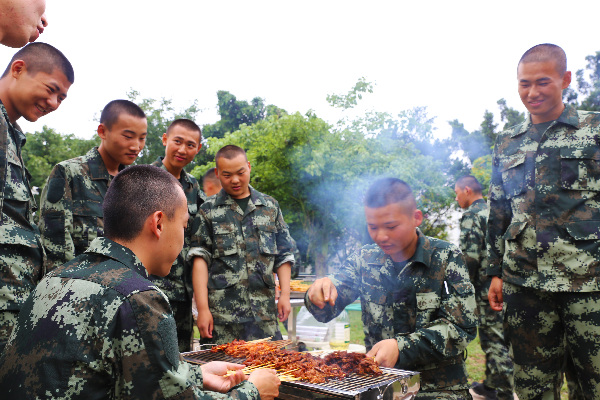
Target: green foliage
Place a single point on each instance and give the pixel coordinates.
(350, 99)
(47, 148)
(587, 82)
(160, 114)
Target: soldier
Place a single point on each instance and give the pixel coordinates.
(418, 305)
(34, 84)
(498, 382)
(243, 238)
(543, 232)
(21, 21)
(98, 328)
(182, 142)
(71, 201)
(210, 183)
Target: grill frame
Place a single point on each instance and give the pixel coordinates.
(394, 384)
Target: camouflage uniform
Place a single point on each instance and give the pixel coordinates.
(71, 203)
(98, 328)
(498, 365)
(21, 253)
(428, 307)
(543, 240)
(178, 284)
(242, 250)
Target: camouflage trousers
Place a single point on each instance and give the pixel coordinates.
(21, 268)
(444, 395)
(542, 327)
(184, 322)
(244, 331)
(498, 365)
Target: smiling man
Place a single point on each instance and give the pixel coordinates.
(240, 241)
(544, 232)
(34, 84)
(21, 21)
(182, 142)
(418, 304)
(71, 202)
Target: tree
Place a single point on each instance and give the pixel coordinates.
(234, 113)
(47, 148)
(160, 114)
(587, 83)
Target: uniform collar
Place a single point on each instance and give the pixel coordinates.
(117, 252)
(475, 204)
(256, 197)
(569, 116)
(422, 254)
(184, 177)
(97, 167)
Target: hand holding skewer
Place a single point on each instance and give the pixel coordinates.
(220, 376)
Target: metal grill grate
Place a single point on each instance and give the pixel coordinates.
(351, 386)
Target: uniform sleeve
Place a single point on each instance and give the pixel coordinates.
(147, 362)
(498, 221)
(284, 242)
(201, 243)
(347, 282)
(451, 315)
(56, 219)
(472, 243)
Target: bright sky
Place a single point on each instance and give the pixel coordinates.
(455, 57)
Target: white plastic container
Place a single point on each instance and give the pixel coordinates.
(308, 329)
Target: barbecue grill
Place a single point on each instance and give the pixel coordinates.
(393, 384)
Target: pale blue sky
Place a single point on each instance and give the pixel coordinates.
(457, 58)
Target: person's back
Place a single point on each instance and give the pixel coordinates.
(98, 328)
(71, 201)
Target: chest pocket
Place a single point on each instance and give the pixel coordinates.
(87, 223)
(225, 239)
(267, 239)
(580, 168)
(513, 175)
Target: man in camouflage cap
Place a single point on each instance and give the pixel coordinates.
(182, 142)
(498, 382)
(96, 327)
(418, 305)
(544, 232)
(241, 240)
(34, 84)
(71, 201)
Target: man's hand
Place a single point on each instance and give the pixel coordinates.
(321, 292)
(284, 307)
(205, 323)
(385, 352)
(495, 294)
(267, 383)
(213, 375)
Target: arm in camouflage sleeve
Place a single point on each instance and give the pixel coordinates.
(453, 324)
(498, 221)
(472, 243)
(347, 283)
(56, 219)
(146, 349)
(284, 242)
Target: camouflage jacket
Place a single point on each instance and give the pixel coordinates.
(71, 203)
(544, 224)
(17, 226)
(242, 250)
(97, 328)
(473, 227)
(178, 284)
(428, 307)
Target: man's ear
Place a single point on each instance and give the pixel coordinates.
(18, 68)
(164, 139)
(101, 131)
(156, 221)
